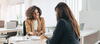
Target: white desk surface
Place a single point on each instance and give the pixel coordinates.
(26, 39)
(87, 32)
(3, 30)
(83, 33)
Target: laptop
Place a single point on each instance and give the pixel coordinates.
(11, 25)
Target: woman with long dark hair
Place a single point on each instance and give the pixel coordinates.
(67, 29)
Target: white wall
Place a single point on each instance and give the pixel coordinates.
(10, 2)
(90, 14)
(94, 5)
(3, 11)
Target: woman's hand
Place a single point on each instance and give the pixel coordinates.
(43, 37)
(31, 33)
(39, 33)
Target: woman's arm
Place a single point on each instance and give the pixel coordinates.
(42, 31)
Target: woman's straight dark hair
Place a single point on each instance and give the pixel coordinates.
(64, 12)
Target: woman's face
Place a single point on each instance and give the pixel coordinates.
(36, 14)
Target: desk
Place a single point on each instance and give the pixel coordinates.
(26, 40)
(85, 34)
(4, 30)
(88, 36)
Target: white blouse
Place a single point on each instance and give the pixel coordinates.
(35, 25)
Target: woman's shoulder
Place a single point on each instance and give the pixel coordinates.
(62, 21)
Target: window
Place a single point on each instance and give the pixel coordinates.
(76, 6)
(12, 12)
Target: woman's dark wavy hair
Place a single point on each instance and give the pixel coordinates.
(64, 12)
(31, 10)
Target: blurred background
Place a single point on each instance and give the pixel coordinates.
(86, 12)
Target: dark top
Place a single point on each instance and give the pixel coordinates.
(63, 34)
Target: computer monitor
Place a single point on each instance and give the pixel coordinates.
(82, 26)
